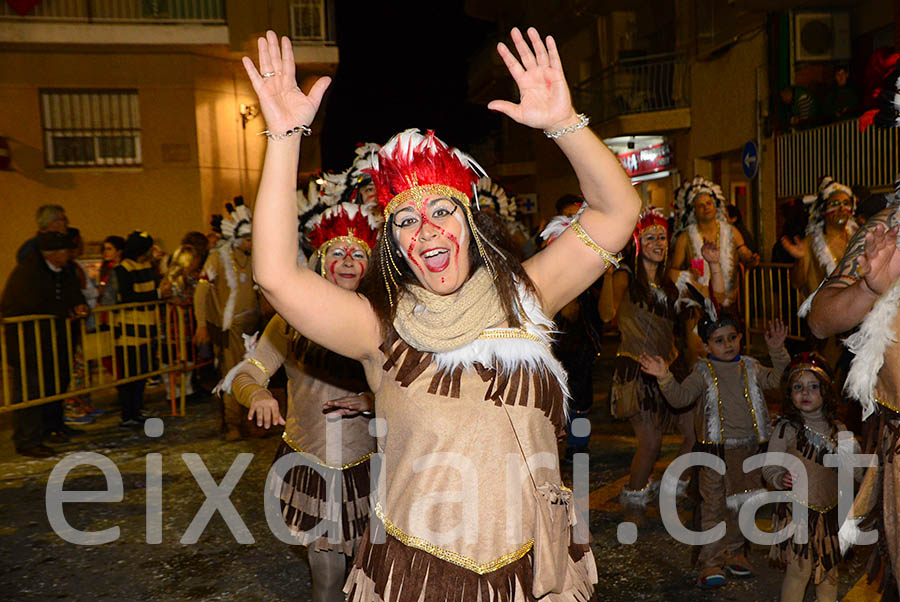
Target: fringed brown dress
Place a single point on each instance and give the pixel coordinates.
(647, 325)
(810, 446)
(315, 375)
(455, 521)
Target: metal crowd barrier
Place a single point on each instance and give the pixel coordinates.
(40, 353)
(768, 294)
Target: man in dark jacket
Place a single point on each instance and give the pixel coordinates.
(41, 284)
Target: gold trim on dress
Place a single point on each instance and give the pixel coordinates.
(448, 555)
(299, 450)
(813, 507)
(509, 333)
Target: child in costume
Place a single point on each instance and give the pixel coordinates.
(643, 300)
(808, 431)
(732, 422)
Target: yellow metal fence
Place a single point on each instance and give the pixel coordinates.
(768, 294)
(44, 358)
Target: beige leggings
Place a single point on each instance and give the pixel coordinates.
(649, 439)
(328, 569)
(796, 577)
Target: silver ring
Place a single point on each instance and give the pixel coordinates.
(268, 74)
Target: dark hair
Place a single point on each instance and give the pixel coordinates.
(639, 284)
(198, 241)
(829, 398)
(566, 200)
(116, 241)
(706, 327)
(498, 248)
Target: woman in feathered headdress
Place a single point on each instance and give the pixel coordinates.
(341, 237)
(700, 218)
(455, 340)
(643, 300)
(828, 230)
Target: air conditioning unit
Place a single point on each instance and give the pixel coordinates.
(821, 37)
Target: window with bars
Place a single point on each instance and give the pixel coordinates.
(91, 128)
(308, 21)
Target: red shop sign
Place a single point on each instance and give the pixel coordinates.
(646, 160)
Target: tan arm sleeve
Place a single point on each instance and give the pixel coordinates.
(770, 378)
(254, 374)
(681, 395)
(773, 473)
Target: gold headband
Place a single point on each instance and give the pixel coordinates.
(420, 192)
(812, 368)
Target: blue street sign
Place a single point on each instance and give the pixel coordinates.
(750, 159)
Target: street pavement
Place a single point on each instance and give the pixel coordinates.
(37, 564)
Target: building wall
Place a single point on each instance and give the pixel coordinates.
(195, 153)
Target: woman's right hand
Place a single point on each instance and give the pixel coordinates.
(352, 405)
(265, 408)
(283, 105)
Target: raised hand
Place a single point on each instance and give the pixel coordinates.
(544, 100)
(880, 263)
(283, 104)
(776, 333)
(654, 366)
(710, 252)
(794, 247)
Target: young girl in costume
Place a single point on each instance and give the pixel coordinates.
(642, 299)
(808, 431)
(342, 238)
(732, 423)
(454, 339)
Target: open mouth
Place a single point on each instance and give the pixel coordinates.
(436, 260)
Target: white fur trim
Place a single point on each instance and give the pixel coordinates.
(713, 422)
(815, 231)
(726, 254)
(629, 498)
(849, 534)
(673, 487)
(231, 279)
(736, 500)
(756, 398)
(512, 353)
(250, 343)
(869, 344)
(757, 402)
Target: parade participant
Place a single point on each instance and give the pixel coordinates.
(113, 246)
(343, 237)
(642, 299)
(807, 431)
(700, 217)
(226, 299)
(732, 423)
(454, 340)
(864, 291)
(828, 231)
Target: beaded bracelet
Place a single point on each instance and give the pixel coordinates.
(303, 130)
(610, 258)
(583, 120)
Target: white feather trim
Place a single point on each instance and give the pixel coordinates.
(757, 402)
(509, 354)
(820, 248)
(231, 279)
(713, 422)
(736, 500)
(555, 227)
(685, 299)
(673, 487)
(849, 534)
(726, 254)
(760, 408)
(869, 344)
(250, 343)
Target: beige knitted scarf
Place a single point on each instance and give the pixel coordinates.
(437, 323)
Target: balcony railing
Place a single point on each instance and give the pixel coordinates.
(637, 85)
(840, 150)
(119, 11)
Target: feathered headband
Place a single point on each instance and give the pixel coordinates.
(356, 177)
(811, 361)
(412, 166)
(686, 195)
(886, 113)
(650, 218)
(492, 196)
(344, 222)
(828, 187)
(238, 223)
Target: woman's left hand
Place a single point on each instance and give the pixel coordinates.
(544, 100)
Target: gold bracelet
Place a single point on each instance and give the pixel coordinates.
(610, 258)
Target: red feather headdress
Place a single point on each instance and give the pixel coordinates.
(347, 222)
(411, 166)
(649, 218)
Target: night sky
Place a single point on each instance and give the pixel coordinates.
(403, 64)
